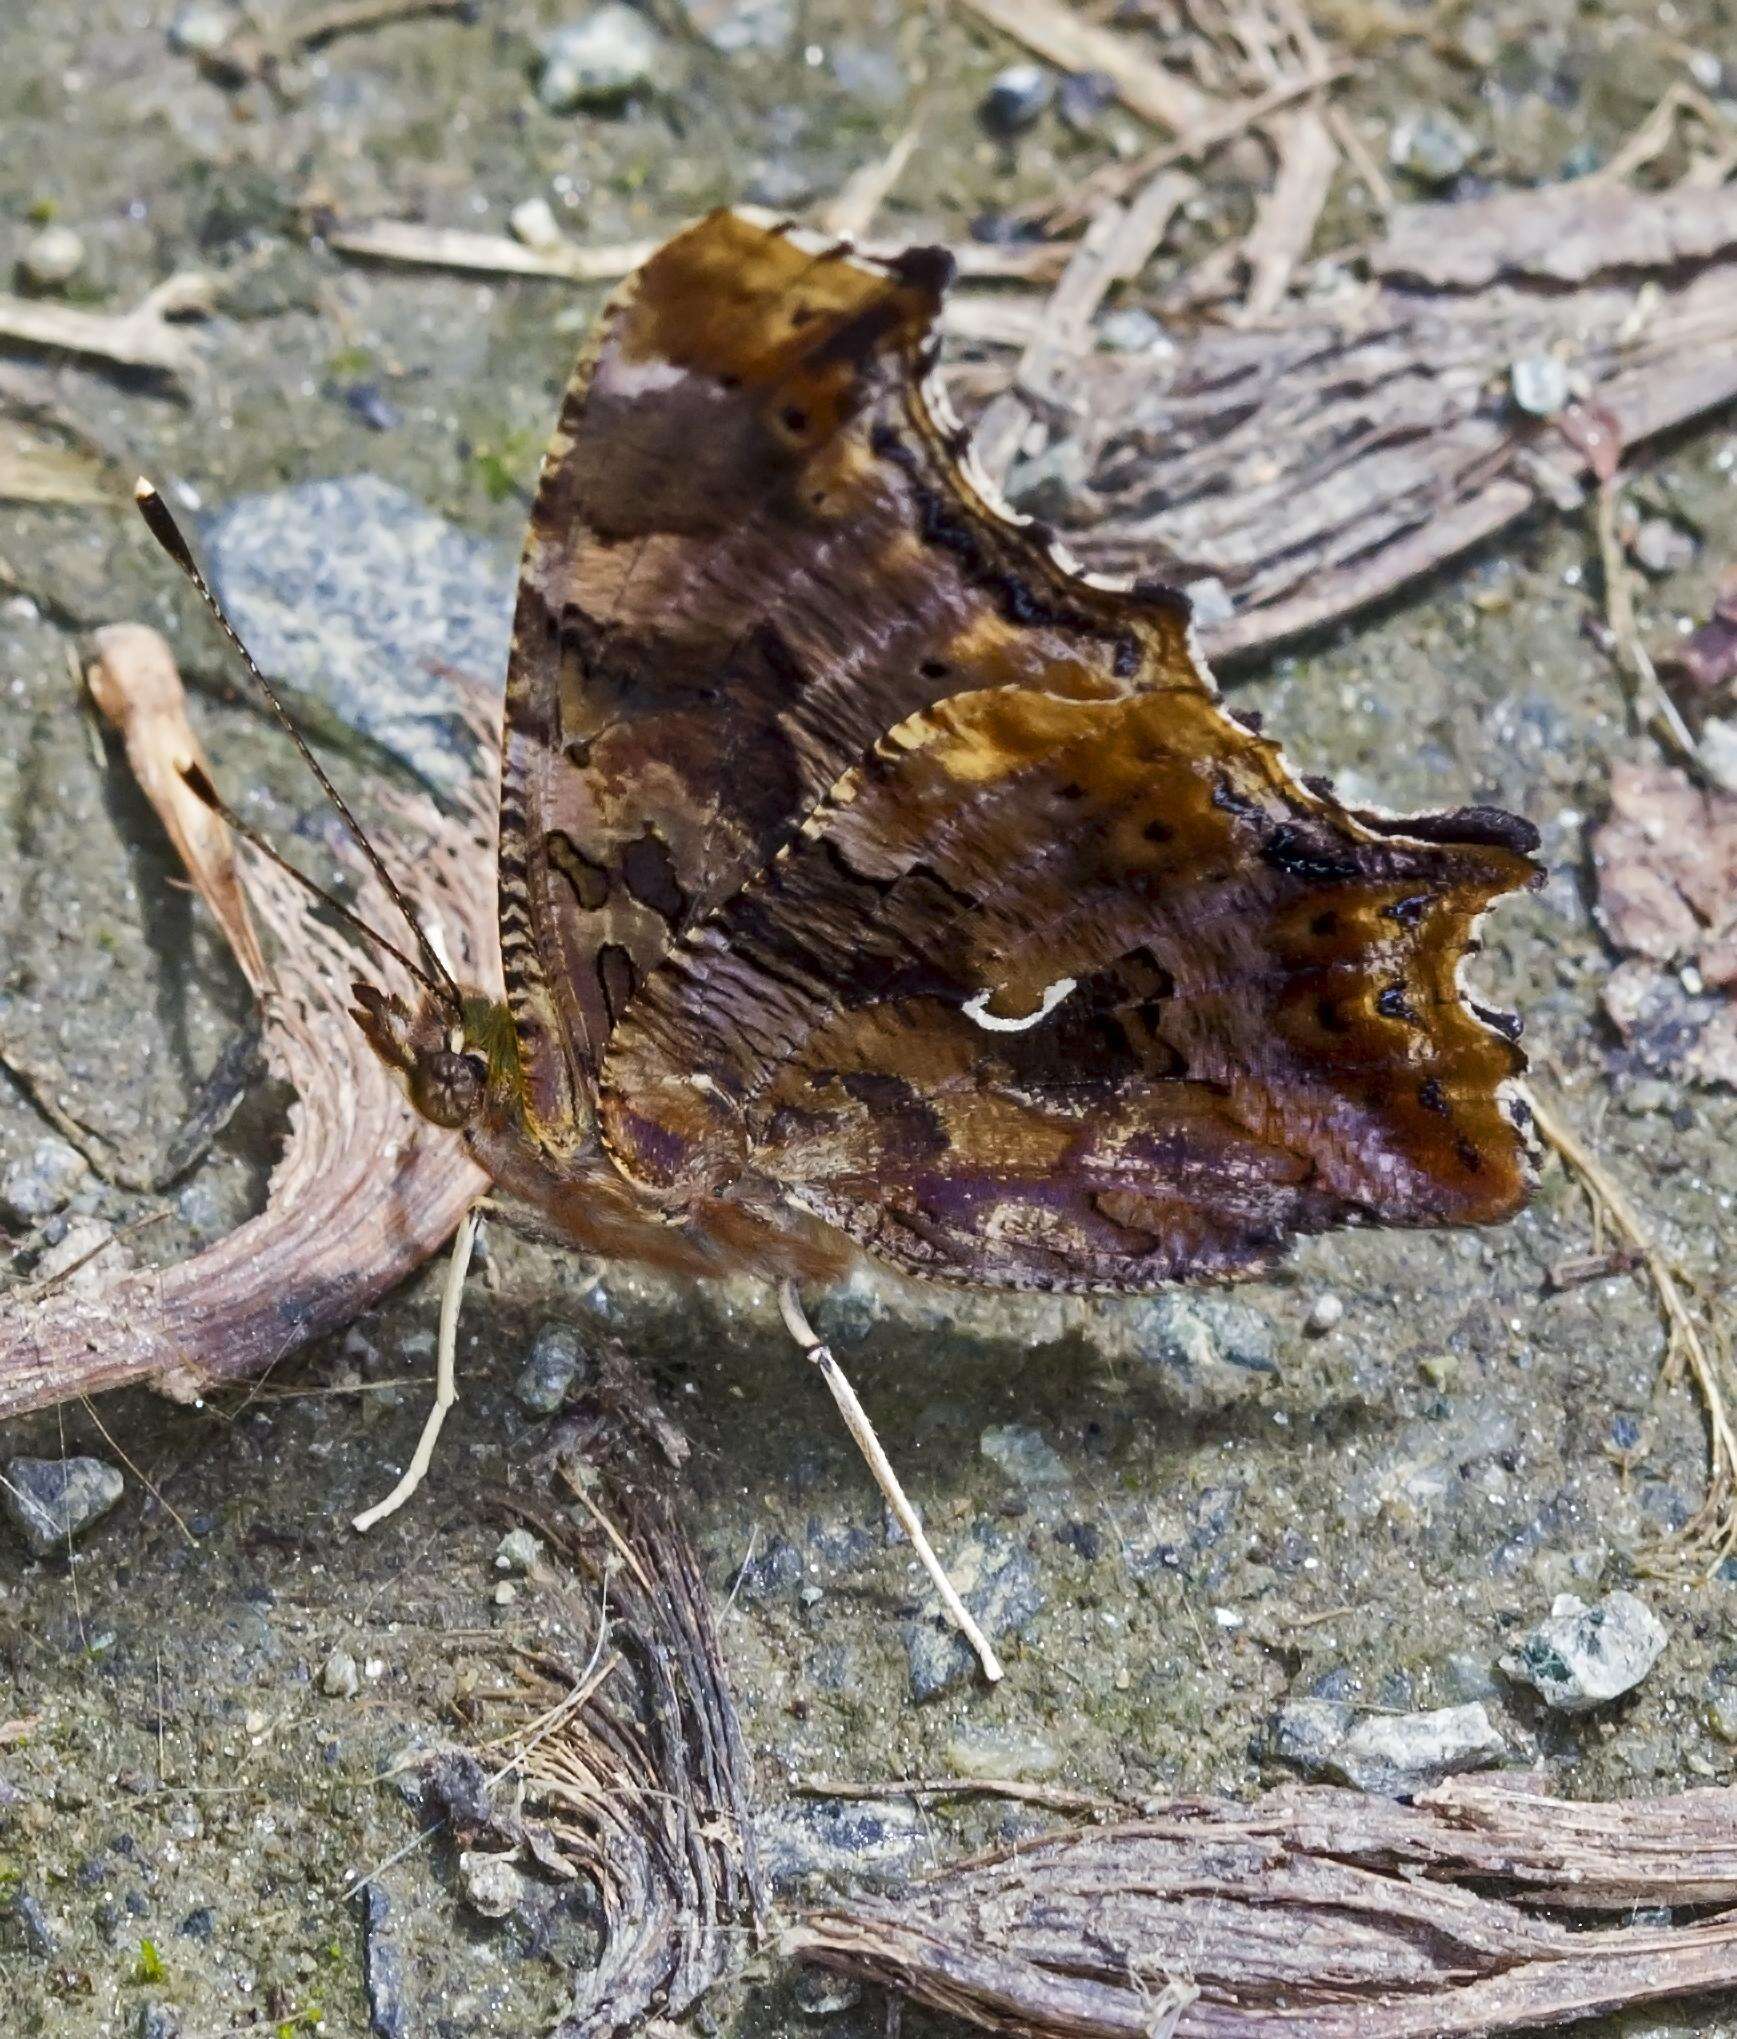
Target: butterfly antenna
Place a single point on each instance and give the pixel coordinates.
(160, 522)
(202, 790)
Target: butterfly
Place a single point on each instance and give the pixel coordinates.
(872, 880)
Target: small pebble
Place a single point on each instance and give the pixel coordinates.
(52, 258)
(1016, 98)
(1432, 146)
(518, 1551)
(493, 1885)
(1132, 330)
(339, 1677)
(1660, 547)
(819, 1995)
(1717, 753)
(1083, 97)
(983, 1750)
(1583, 1656)
(852, 1837)
(600, 61)
(735, 26)
(1392, 1754)
(156, 2021)
(51, 1500)
(556, 1357)
(200, 31)
(1208, 597)
(1025, 1455)
(369, 403)
(1540, 384)
(505, 1593)
(533, 224)
(1722, 1714)
(39, 1183)
(1325, 1313)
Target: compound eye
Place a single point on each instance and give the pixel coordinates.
(451, 1087)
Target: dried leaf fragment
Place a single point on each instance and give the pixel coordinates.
(1666, 860)
(134, 684)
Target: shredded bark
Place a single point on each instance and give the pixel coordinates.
(634, 1772)
(365, 1190)
(1315, 1912)
(1297, 469)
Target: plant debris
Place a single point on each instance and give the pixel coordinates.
(1706, 660)
(1306, 465)
(365, 1190)
(1313, 1912)
(1666, 861)
(148, 337)
(633, 1769)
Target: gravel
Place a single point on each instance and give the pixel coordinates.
(1584, 1656)
(1389, 1754)
(599, 62)
(50, 1501)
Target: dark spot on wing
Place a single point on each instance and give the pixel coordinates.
(617, 979)
(649, 869)
(587, 879)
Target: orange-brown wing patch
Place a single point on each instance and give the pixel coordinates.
(752, 552)
(1087, 994)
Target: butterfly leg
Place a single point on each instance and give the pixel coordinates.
(862, 1431)
(445, 1374)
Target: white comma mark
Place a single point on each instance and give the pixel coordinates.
(978, 1009)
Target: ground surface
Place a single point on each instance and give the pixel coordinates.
(1374, 1512)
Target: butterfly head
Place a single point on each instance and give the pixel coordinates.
(450, 1061)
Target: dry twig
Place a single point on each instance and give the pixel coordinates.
(143, 338)
(1117, 245)
(252, 53)
(1286, 220)
(408, 241)
(852, 210)
(1711, 1536)
(1115, 180)
(1061, 37)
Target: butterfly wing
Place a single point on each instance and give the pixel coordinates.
(1087, 994)
(754, 549)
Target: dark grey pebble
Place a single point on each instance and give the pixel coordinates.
(52, 1500)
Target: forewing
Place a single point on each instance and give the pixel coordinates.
(754, 549)
(1088, 994)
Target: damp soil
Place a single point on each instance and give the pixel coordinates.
(1374, 1511)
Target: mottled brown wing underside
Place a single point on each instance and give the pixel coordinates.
(860, 852)
(1072, 994)
(753, 551)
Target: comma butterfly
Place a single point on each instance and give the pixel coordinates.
(871, 878)
(870, 874)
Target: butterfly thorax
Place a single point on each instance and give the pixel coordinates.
(693, 1214)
